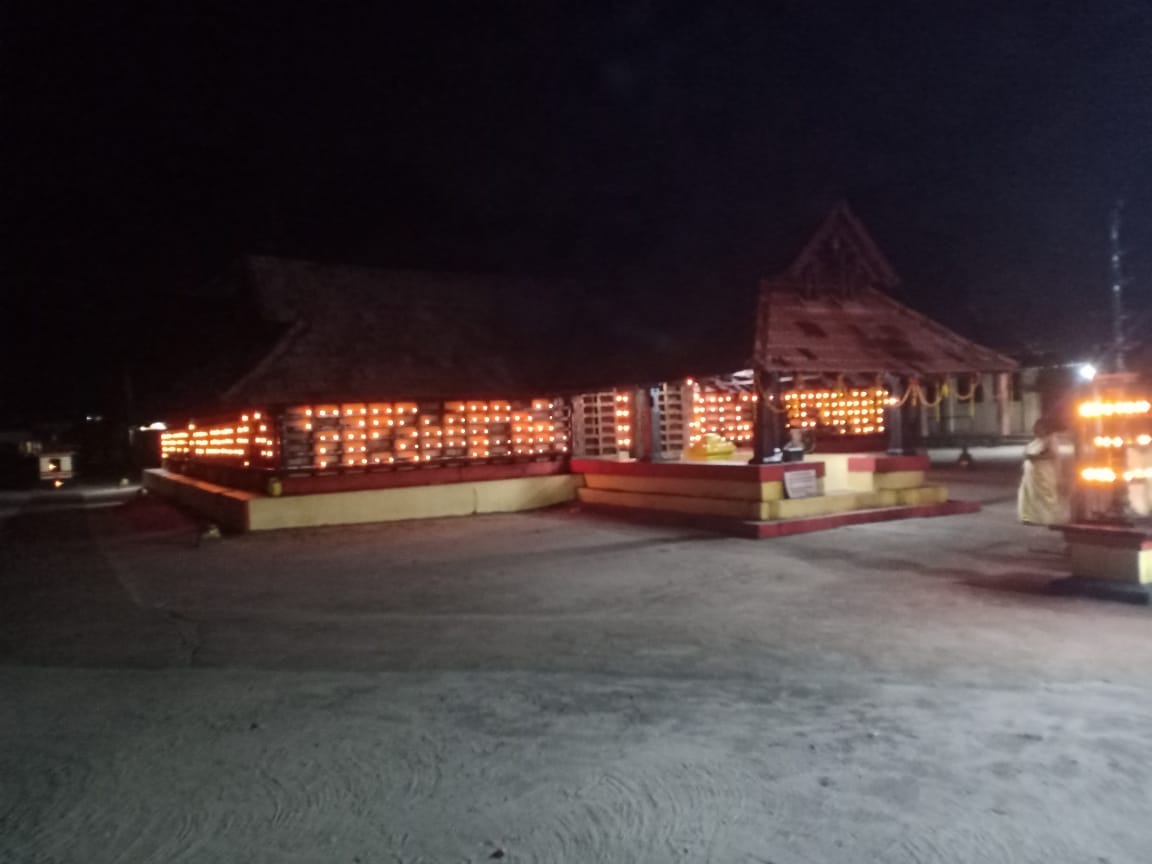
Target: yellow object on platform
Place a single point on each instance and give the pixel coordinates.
(710, 447)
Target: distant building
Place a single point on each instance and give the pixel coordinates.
(27, 461)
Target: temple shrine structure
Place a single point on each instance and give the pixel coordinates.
(391, 395)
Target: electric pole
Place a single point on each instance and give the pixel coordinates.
(1117, 289)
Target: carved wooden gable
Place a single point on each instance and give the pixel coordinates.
(841, 260)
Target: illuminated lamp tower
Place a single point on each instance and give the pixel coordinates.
(1114, 432)
(1109, 541)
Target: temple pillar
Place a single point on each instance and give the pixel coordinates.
(893, 417)
(655, 424)
(768, 420)
(640, 405)
(949, 407)
(1004, 403)
(902, 421)
(278, 426)
(913, 438)
(925, 419)
(647, 424)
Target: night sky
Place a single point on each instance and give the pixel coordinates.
(147, 147)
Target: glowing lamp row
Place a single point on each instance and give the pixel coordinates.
(842, 412)
(232, 441)
(724, 398)
(726, 414)
(1114, 409)
(856, 412)
(381, 408)
(623, 423)
(1109, 475)
(1118, 441)
(363, 461)
(389, 433)
(840, 403)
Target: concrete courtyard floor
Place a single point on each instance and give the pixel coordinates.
(557, 687)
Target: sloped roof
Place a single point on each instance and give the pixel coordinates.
(865, 332)
(841, 249)
(832, 311)
(354, 333)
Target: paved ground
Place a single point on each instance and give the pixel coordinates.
(553, 687)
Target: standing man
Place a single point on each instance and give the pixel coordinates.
(1042, 499)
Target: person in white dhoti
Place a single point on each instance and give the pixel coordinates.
(1043, 498)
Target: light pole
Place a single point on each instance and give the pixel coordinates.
(1117, 288)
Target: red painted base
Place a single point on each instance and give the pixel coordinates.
(357, 479)
(780, 527)
(734, 471)
(885, 464)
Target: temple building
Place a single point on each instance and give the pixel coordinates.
(390, 394)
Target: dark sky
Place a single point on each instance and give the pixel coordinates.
(145, 147)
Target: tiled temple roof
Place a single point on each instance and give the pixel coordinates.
(357, 333)
(867, 332)
(832, 311)
(352, 333)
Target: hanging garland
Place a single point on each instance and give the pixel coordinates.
(945, 391)
(909, 393)
(971, 394)
(923, 398)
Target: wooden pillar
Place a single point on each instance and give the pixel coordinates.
(278, 423)
(949, 407)
(913, 436)
(687, 413)
(655, 425)
(925, 415)
(1003, 403)
(893, 416)
(768, 421)
(902, 421)
(577, 430)
(641, 411)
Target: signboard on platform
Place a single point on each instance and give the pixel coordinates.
(801, 483)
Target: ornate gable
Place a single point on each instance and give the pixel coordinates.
(841, 260)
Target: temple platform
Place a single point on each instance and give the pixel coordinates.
(449, 493)
(766, 500)
(733, 498)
